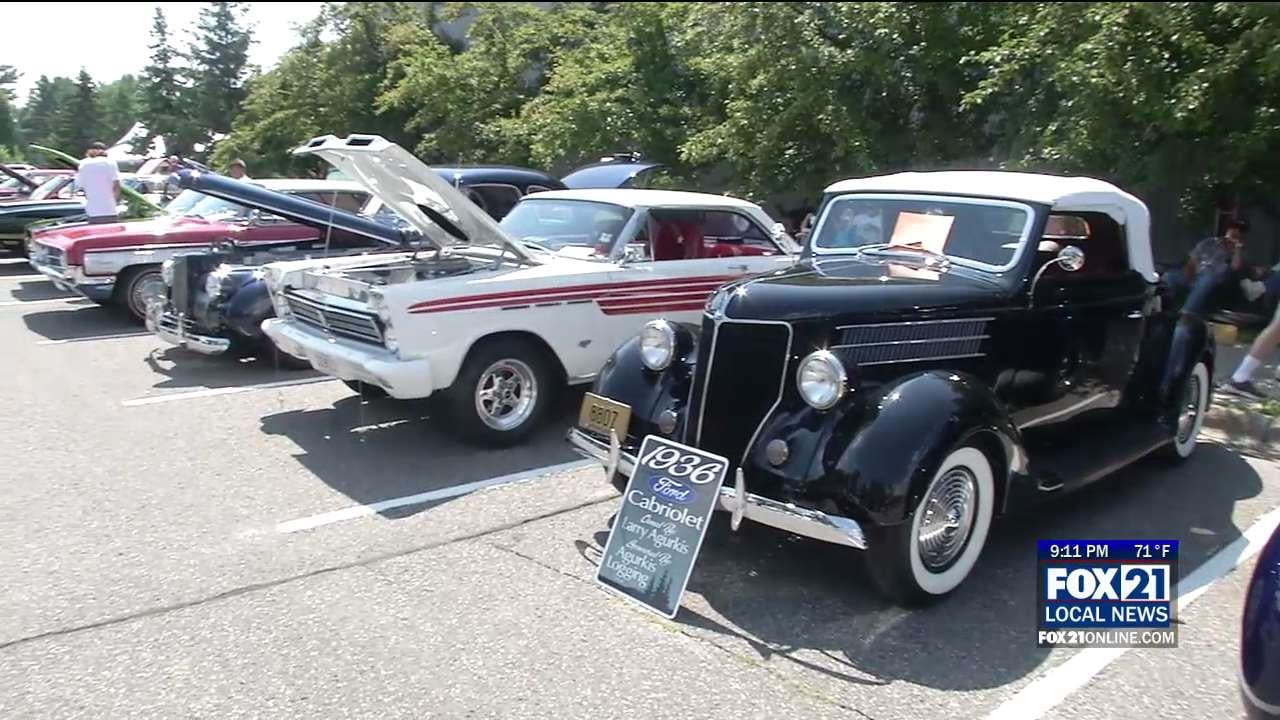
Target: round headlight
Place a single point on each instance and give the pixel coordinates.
(166, 272)
(657, 344)
(821, 380)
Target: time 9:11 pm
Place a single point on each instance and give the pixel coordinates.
(1078, 550)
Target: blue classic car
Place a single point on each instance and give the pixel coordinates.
(1260, 636)
(216, 298)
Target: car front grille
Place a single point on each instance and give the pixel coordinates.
(884, 343)
(339, 321)
(742, 368)
(49, 255)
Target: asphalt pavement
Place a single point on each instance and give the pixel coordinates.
(184, 536)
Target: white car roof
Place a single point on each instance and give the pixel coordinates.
(1069, 194)
(636, 198)
(310, 185)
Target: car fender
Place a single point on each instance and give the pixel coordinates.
(625, 379)
(248, 307)
(908, 427)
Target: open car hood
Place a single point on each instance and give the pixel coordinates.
(427, 201)
(299, 210)
(31, 184)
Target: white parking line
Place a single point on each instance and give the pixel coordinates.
(12, 261)
(93, 338)
(211, 392)
(10, 303)
(36, 276)
(1049, 690)
(359, 511)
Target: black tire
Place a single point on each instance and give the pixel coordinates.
(894, 556)
(363, 389)
(130, 285)
(523, 364)
(1183, 443)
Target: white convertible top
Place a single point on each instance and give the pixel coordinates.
(1069, 194)
(642, 198)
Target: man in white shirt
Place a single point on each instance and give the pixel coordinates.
(99, 179)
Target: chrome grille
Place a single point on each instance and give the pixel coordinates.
(883, 343)
(345, 323)
(48, 255)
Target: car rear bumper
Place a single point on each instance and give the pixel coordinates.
(740, 503)
(351, 360)
(172, 329)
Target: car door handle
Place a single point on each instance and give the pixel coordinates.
(743, 268)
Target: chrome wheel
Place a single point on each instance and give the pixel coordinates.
(1190, 409)
(146, 289)
(948, 514)
(506, 394)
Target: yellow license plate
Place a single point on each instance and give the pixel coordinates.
(600, 415)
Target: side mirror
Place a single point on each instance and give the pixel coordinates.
(1071, 258)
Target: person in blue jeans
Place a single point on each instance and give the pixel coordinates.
(1211, 266)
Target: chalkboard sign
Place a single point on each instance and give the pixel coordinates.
(658, 531)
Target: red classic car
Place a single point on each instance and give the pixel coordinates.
(121, 262)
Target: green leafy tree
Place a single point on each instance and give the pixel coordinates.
(219, 57)
(459, 101)
(324, 87)
(1175, 98)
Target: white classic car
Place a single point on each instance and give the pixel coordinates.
(499, 316)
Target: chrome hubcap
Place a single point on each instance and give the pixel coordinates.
(149, 289)
(1190, 410)
(948, 516)
(506, 394)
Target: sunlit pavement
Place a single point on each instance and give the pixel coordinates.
(225, 549)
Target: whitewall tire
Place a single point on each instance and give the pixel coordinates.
(929, 556)
(1194, 402)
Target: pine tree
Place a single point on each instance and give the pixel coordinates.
(40, 113)
(162, 91)
(120, 107)
(219, 61)
(8, 123)
(80, 119)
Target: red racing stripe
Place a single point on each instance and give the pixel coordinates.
(668, 307)
(538, 295)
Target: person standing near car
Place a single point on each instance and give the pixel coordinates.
(238, 171)
(99, 180)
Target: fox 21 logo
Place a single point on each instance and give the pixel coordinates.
(1113, 589)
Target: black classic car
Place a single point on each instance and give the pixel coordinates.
(216, 298)
(951, 347)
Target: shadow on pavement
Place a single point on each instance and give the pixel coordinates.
(80, 322)
(813, 604)
(16, 268)
(28, 290)
(374, 450)
(182, 368)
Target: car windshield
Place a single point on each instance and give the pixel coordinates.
(559, 225)
(49, 188)
(191, 203)
(983, 233)
(12, 184)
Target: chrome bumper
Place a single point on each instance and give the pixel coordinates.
(169, 328)
(740, 503)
